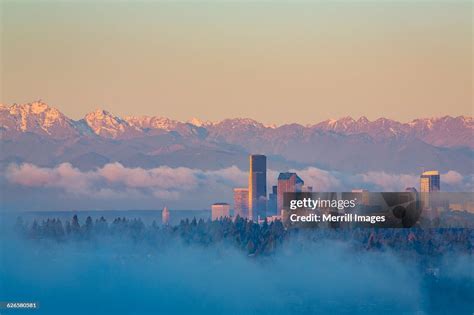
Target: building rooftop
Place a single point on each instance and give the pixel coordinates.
(359, 190)
(220, 204)
(430, 173)
(288, 175)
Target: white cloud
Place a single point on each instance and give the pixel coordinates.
(321, 180)
(389, 182)
(452, 178)
(117, 181)
(63, 176)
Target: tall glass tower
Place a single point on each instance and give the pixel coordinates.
(257, 187)
(429, 183)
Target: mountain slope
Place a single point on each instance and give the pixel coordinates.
(36, 117)
(40, 134)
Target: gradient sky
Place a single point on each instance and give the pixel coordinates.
(275, 62)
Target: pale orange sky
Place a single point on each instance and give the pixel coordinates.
(275, 62)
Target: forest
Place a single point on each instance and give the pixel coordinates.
(251, 238)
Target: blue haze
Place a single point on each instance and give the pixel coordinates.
(113, 276)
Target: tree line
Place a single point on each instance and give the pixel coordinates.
(246, 235)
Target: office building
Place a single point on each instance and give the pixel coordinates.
(272, 202)
(257, 187)
(220, 210)
(429, 183)
(362, 195)
(287, 182)
(241, 202)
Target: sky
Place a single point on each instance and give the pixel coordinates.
(276, 62)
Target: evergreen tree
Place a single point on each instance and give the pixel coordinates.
(75, 226)
(67, 228)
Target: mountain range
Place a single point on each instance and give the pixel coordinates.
(41, 134)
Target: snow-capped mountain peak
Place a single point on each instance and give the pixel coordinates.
(105, 124)
(36, 117)
(39, 118)
(199, 122)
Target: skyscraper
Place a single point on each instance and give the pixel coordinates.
(429, 183)
(257, 187)
(241, 202)
(287, 182)
(362, 195)
(272, 202)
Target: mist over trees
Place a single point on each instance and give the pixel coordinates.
(249, 237)
(127, 266)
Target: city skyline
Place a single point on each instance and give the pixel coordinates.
(68, 176)
(255, 204)
(324, 60)
(130, 163)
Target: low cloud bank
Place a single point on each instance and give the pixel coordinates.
(115, 180)
(119, 277)
(165, 180)
(180, 187)
(122, 278)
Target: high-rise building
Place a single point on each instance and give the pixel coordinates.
(220, 210)
(429, 183)
(257, 187)
(272, 202)
(241, 202)
(287, 182)
(165, 216)
(363, 196)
